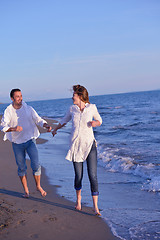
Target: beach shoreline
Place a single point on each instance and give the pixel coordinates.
(37, 217)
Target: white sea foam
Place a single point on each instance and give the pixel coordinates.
(118, 107)
(152, 185)
(148, 230)
(113, 229)
(114, 163)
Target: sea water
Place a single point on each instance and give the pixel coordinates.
(128, 160)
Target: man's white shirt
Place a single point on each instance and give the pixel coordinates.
(27, 118)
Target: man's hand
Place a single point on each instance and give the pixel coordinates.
(47, 127)
(15, 129)
(18, 129)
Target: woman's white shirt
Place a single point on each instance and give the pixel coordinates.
(82, 135)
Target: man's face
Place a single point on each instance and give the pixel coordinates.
(17, 98)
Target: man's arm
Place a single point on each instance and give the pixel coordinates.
(6, 122)
(40, 121)
(15, 129)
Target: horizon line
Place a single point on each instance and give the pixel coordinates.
(119, 93)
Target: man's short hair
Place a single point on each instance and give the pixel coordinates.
(13, 91)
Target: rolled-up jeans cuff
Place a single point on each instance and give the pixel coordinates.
(78, 188)
(37, 172)
(95, 193)
(22, 174)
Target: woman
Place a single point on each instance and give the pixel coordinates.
(83, 144)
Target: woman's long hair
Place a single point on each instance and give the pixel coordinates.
(81, 92)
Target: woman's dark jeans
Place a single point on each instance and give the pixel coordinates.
(92, 171)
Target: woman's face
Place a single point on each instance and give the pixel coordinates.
(76, 99)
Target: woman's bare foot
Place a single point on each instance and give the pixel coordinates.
(78, 202)
(95, 205)
(97, 212)
(78, 206)
(43, 193)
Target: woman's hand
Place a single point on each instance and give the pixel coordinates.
(54, 132)
(94, 123)
(59, 126)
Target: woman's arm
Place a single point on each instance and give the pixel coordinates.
(59, 126)
(40, 121)
(63, 122)
(97, 118)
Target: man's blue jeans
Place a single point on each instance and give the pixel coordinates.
(20, 151)
(92, 171)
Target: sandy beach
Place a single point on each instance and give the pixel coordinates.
(52, 217)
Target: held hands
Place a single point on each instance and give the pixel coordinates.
(47, 127)
(59, 126)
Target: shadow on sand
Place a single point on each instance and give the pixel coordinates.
(44, 201)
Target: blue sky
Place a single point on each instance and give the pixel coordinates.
(109, 46)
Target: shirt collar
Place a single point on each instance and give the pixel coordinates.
(86, 104)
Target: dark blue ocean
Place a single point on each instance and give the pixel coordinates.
(128, 160)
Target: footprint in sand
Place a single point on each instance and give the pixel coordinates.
(21, 222)
(35, 211)
(52, 219)
(49, 218)
(34, 236)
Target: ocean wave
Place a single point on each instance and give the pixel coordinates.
(136, 127)
(109, 107)
(111, 161)
(118, 107)
(113, 229)
(55, 116)
(119, 127)
(152, 185)
(148, 230)
(128, 126)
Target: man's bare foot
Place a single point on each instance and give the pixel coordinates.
(25, 195)
(43, 193)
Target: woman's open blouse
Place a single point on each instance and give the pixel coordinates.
(82, 135)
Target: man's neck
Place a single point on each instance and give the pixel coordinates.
(17, 106)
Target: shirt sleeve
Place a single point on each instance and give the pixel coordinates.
(36, 118)
(96, 114)
(5, 121)
(66, 118)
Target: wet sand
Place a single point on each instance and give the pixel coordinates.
(52, 217)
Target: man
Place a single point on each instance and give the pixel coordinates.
(19, 125)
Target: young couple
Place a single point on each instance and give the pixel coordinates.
(19, 125)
